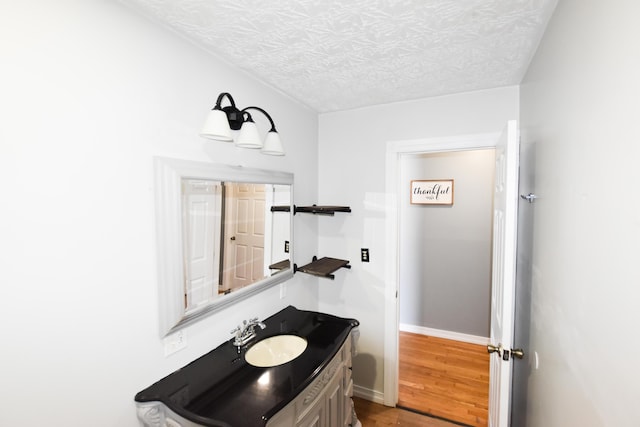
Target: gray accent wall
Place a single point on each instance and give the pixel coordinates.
(445, 251)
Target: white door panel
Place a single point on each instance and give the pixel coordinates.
(201, 225)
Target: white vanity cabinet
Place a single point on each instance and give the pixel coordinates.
(326, 402)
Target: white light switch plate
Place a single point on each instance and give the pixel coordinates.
(175, 342)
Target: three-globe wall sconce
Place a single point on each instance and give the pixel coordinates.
(222, 120)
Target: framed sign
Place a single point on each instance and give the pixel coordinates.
(432, 192)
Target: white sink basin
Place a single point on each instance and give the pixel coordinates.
(275, 351)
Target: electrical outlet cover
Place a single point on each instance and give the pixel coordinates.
(175, 342)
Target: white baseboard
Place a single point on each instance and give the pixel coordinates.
(368, 394)
(438, 333)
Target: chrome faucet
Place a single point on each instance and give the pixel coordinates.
(246, 332)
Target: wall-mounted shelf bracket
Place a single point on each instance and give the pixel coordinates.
(321, 210)
(323, 267)
(284, 208)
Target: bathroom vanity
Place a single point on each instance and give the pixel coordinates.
(222, 389)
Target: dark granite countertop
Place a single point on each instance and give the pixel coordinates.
(222, 389)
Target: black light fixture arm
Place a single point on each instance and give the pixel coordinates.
(234, 115)
(273, 126)
(218, 105)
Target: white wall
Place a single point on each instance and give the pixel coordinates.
(580, 105)
(352, 172)
(90, 92)
(445, 251)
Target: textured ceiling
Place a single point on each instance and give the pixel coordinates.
(335, 55)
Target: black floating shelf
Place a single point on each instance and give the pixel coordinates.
(285, 208)
(321, 210)
(323, 267)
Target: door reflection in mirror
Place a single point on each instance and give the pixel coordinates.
(201, 228)
(190, 230)
(243, 236)
(229, 231)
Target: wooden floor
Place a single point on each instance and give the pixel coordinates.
(375, 415)
(444, 378)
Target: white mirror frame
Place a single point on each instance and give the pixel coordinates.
(168, 177)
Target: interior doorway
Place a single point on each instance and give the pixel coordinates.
(445, 285)
(503, 258)
(394, 188)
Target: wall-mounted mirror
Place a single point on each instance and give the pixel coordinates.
(223, 234)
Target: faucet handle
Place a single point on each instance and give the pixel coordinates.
(235, 330)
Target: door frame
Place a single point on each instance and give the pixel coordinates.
(393, 190)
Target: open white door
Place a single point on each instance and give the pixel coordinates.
(505, 217)
(244, 235)
(201, 204)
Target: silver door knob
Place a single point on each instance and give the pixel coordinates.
(493, 349)
(517, 352)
